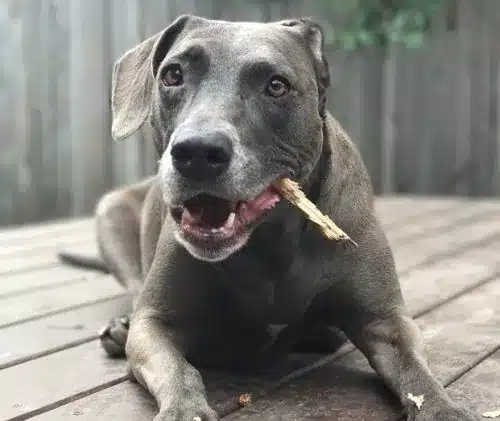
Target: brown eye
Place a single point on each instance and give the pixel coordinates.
(277, 86)
(172, 75)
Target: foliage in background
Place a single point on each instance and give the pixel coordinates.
(380, 22)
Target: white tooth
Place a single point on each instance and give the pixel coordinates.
(230, 220)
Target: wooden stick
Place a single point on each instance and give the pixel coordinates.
(291, 191)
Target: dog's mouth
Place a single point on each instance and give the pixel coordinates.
(209, 220)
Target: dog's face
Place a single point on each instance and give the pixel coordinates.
(234, 107)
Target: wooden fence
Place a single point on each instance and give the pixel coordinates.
(426, 121)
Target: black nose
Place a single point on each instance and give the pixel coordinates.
(202, 157)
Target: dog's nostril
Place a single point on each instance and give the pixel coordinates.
(217, 156)
(182, 153)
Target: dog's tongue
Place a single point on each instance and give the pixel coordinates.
(251, 210)
(208, 211)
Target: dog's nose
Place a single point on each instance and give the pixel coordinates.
(202, 157)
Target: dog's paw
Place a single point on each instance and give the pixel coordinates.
(113, 336)
(188, 412)
(445, 413)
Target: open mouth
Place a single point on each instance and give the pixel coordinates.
(209, 220)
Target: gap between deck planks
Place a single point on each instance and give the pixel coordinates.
(421, 215)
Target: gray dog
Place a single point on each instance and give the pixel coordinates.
(210, 252)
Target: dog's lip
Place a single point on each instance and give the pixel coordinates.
(180, 203)
(243, 216)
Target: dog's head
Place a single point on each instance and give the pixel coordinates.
(234, 106)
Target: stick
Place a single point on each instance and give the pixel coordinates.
(291, 191)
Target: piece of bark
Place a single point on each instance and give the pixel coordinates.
(491, 414)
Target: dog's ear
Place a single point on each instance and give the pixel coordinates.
(133, 77)
(314, 36)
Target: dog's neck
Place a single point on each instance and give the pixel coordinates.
(312, 186)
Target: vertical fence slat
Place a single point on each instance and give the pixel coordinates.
(89, 115)
(388, 125)
(60, 39)
(479, 68)
(496, 101)
(462, 148)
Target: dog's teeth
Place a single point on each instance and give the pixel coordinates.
(230, 220)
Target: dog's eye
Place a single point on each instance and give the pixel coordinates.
(277, 86)
(172, 75)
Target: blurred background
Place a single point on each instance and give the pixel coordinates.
(415, 82)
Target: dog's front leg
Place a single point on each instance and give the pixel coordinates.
(158, 364)
(172, 305)
(393, 348)
(375, 319)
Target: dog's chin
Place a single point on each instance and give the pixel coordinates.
(214, 252)
(212, 228)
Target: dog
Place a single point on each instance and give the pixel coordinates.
(208, 250)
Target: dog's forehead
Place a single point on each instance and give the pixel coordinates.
(240, 39)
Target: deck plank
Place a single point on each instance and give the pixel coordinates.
(432, 248)
(479, 389)
(40, 260)
(395, 212)
(50, 243)
(38, 383)
(36, 304)
(449, 277)
(49, 334)
(44, 278)
(437, 223)
(17, 235)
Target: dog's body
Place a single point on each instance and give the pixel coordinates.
(210, 256)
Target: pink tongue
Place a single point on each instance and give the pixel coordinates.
(251, 210)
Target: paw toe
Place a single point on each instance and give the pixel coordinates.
(114, 336)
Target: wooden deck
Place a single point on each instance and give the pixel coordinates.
(52, 368)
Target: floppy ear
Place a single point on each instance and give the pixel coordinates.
(133, 77)
(313, 34)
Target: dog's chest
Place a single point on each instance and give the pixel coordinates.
(271, 280)
(266, 287)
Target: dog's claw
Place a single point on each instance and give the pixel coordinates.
(125, 321)
(113, 336)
